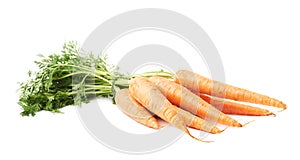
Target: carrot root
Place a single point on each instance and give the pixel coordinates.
(205, 85)
(247, 123)
(181, 96)
(272, 114)
(150, 96)
(230, 107)
(198, 139)
(134, 110)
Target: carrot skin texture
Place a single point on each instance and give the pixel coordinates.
(198, 123)
(149, 96)
(234, 108)
(140, 114)
(198, 83)
(134, 110)
(187, 100)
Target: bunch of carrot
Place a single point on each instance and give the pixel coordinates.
(184, 99)
(189, 100)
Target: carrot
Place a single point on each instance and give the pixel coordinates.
(205, 85)
(197, 122)
(184, 98)
(137, 112)
(134, 110)
(149, 96)
(229, 107)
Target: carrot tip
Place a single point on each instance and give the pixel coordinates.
(198, 139)
(271, 114)
(216, 131)
(202, 140)
(247, 123)
(238, 125)
(161, 126)
(224, 129)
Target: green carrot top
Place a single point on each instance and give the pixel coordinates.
(69, 78)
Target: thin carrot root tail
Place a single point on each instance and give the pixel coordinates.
(198, 139)
(271, 114)
(161, 126)
(247, 123)
(279, 111)
(224, 129)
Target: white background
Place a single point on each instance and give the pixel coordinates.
(258, 42)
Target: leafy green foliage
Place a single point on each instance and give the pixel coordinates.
(69, 78)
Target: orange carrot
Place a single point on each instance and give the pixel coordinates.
(205, 85)
(137, 112)
(229, 107)
(149, 96)
(197, 122)
(184, 98)
(134, 110)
